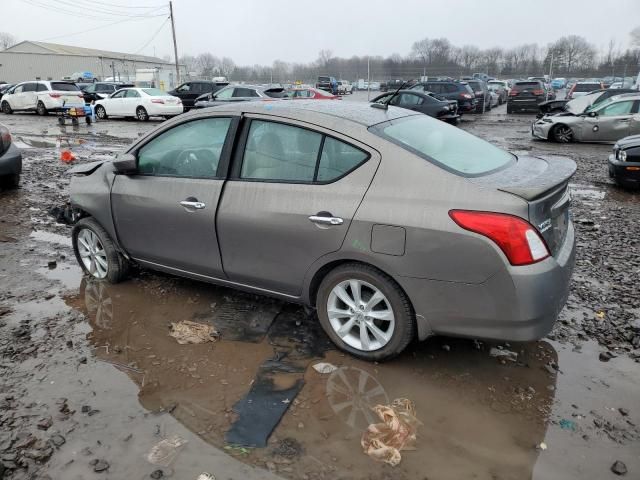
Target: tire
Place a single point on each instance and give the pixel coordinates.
(401, 330)
(509, 109)
(561, 134)
(101, 112)
(6, 108)
(10, 182)
(41, 109)
(141, 114)
(117, 267)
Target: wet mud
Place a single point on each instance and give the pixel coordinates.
(92, 383)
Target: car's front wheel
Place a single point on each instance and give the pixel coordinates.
(141, 114)
(96, 253)
(365, 312)
(562, 134)
(101, 112)
(6, 108)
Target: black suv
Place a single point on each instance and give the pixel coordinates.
(99, 90)
(526, 95)
(451, 90)
(189, 91)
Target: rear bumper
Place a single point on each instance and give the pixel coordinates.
(619, 171)
(11, 161)
(515, 304)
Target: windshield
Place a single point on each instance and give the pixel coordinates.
(580, 104)
(445, 145)
(586, 87)
(64, 87)
(600, 105)
(154, 92)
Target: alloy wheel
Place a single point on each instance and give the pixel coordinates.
(563, 134)
(92, 253)
(361, 315)
(101, 113)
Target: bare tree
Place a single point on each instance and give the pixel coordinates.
(492, 58)
(635, 37)
(207, 64)
(190, 63)
(227, 66)
(423, 50)
(7, 40)
(324, 56)
(280, 70)
(469, 55)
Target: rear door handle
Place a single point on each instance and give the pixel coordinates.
(193, 204)
(326, 220)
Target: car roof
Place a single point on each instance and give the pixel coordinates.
(314, 111)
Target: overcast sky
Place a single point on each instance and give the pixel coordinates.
(261, 31)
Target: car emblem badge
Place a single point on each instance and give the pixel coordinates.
(544, 226)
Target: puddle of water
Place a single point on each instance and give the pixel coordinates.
(589, 192)
(49, 237)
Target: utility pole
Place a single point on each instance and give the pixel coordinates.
(368, 81)
(175, 44)
(550, 73)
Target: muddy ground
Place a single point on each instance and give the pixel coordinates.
(91, 380)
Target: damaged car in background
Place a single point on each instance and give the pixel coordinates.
(10, 160)
(579, 104)
(624, 162)
(423, 102)
(301, 201)
(611, 120)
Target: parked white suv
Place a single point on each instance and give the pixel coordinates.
(42, 97)
(344, 87)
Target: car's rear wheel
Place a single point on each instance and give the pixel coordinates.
(101, 112)
(10, 181)
(6, 108)
(96, 253)
(365, 312)
(41, 109)
(562, 134)
(141, 114)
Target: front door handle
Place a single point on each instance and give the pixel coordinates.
(193, 204)
(326, 220)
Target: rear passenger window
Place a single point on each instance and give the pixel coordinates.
(337, 159)
(42, 88)
(280, 152)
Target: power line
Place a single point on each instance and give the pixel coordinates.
(65, 35)
(78, 14)
(94, 9)
(152, 37)
(106, 4)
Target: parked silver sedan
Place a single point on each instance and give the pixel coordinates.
(608, 121)
(391, 224)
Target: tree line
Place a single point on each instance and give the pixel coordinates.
(568, 56)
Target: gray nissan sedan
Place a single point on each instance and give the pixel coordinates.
(392, 225)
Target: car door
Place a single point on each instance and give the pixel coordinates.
(132, 99)
(165, 213)
(611, 123)
(114, 104)
(15, 97)
(412, 101)
(293, 192)
(29, 95)
(634, 123)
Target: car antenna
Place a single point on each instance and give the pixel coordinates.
(385, 105)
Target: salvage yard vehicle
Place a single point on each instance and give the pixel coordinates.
(99, 90)
(611, 120)
(140, 103)
(41, 97)
(580, 104)
(501, 88)
(526, 95)
(311, 93)
(450, 90)
(10, 160)
(382, 219)
(482, 94)
(4, 88)
(329, 84)
(582, 88)
(423, 102)
(624, 162)
(188, 92)
(239, 93)
(344, 87)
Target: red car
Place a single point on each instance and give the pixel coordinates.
(311, 93)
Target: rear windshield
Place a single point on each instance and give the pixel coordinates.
(64, 87)
(324, 79)
(524, 85)
(476, 86)
(447, 146)
(275, 93)
(154, 92)
(586, 87)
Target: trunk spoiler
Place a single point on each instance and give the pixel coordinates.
(531, 177)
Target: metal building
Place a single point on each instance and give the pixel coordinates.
(50, 61)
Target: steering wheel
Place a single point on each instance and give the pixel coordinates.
(188, 163)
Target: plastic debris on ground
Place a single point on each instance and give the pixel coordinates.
(165, 451)
(568, 425)
(187, 331)
(542, 446)
(66, 156)
(384, 441)
(504, 354)
(206, 476)
(323, 367)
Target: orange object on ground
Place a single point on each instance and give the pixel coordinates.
(67, 156)
(383, 441)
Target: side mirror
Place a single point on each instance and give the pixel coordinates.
(126, 163)
(593, 114)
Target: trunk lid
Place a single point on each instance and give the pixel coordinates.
(544, 183)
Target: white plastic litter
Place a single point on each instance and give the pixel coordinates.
(165, 451)
(324, 367)
(206, 476)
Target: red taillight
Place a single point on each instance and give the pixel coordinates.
(517, 238)
(538, 92)
(157, 100)
(465, 95)
(55, 95)
(513, 93)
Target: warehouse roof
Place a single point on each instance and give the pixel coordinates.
(56, 49)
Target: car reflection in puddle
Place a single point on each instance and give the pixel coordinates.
(481, 418)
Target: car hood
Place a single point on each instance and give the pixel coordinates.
(628, 142)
